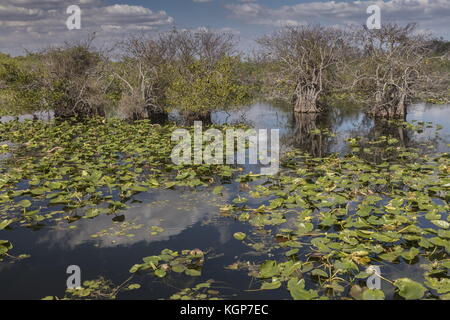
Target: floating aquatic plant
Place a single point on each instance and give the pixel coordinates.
(188, 262)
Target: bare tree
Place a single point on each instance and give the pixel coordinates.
(144, 74)
(391, 68)
(304, 63)
(213, 46)
(149, 64)
(74, 74)
(204, 45)
(204, 62)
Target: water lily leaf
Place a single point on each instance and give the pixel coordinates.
(5, 246)
(178, 268)
(304, 228)
(275, 284)
(445, 297)
(135, 268)
(92, 213)
(291, 252)
(409, 289)
(39, 191)
(390, 256)
(411, 254)
(5, 223)
(307, 266)
(441, 286)
(319, 273)
(356, 292)
(362, 275)
(170, 185)
(276, 203)
(440, 242)
(239, 236)
(297, 290)
(290, 268)
(139, 188)
(373, 294)
(153, 182)
(25, 203)
(441, 223)
(218, 190)
(160, 273)
(152, 259)
(268, 269)
(134, 286)
(193, 272)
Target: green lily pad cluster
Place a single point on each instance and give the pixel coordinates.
(5, 246)
(338, 215)
(84, 169)
(119, 229)
(189, 262)
(98, 289)
(202, 291)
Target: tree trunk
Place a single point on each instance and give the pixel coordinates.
(158, 117)
(61, 113)
(190, 117)
(306, 102)
(396, 108)
(81, 111)
(391, 112)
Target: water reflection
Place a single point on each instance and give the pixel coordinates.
(41, 115)
(308, 136)
(300, 130)
(167, 211)
(305, 131)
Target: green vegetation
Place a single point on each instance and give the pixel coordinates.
(195, 72)
(20, 90)
(202, 88)
(186, 261)
(199, 72)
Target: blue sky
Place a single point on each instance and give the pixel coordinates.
(31, 24)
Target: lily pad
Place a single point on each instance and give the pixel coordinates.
(409, 289)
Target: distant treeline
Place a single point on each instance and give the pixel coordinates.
(199, 72)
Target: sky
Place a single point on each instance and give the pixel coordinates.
(32, 25)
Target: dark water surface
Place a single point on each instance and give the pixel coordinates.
(190, 219)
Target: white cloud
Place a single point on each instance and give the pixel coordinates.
(430, 14)
(214, 30)
(174, 214)
(26, 24)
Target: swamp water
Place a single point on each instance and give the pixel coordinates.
(308, 233)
